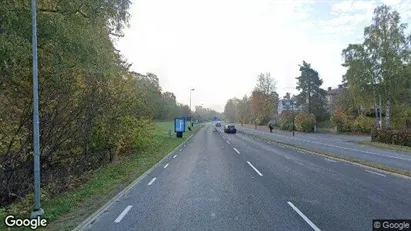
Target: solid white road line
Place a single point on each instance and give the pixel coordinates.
(228, 142)
(329, 160)
(376, 173)
(236, 150)
(166, 166)
(259, 173)
(152, 181)
(120, 217)
(304, 217)
(174, 156)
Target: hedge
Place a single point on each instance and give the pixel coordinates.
(397, 137)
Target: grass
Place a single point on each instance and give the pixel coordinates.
(386, 146)
(354, 160)
(67, 210)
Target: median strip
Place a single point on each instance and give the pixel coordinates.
(121, 216)
(255, 169)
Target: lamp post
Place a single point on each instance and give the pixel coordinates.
(36, 123)
(192, 89)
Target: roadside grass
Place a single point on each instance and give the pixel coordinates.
(392, 147)
(66, 211)
(352, 160)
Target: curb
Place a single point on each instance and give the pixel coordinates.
(89, 220)
(307, 151)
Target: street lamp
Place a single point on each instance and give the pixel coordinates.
(36, 124)
(192, 89)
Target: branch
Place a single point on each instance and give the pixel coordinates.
(116, 35)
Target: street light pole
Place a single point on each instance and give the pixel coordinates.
(192, 89)
(36, 123)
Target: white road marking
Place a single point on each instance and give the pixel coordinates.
(120, 217)
(165, 166)
(288, 158)
(259, 173)
(223, 137)
(228, 142)
(304, 217)
(181, 150)
(236, 150)
(376, 173)
(329, 160)
(152, 181)
(174, 156)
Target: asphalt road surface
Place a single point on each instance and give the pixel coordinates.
(342, 145)
(232, 182)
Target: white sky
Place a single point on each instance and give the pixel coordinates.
(219, 47)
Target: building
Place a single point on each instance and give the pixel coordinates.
(285, 104)
(332, 97)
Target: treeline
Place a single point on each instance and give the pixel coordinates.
(92, 107)
(376, 87)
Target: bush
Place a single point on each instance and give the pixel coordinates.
(286, 121)
(397, 137)
(305, 122)
(363, 124)
(341, 120)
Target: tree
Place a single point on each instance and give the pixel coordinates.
(264, 98)
(377, 66)
(287, 96)
(230, 110)
(311, 96)
(243, 110)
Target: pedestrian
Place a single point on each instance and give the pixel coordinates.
(270, 125)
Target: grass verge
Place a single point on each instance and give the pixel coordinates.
(349, 159)
(67, 210)
(392, 147)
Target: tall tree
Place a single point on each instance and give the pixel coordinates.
(311, 95)
(230, 110)
(265, 98)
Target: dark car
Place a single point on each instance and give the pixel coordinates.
(218, 124)
(230, 129)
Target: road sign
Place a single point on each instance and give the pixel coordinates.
(179, 124)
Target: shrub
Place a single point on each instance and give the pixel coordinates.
(363, 124)
(305, 122)
(341, 120)
(398, 137)
(286, 120)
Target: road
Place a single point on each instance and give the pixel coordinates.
(232, 182)
(342, 145)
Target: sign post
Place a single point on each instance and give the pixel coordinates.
(179, 126)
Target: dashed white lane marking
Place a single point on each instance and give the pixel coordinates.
(228, 142)
(330, 160)
(288, 158)
(165, 166)
(152, 181)
(174, 156)
(181, 150)
(122, 214)
(236, 150)
(259, 173)
(223, 137)
(304, 217)
(376, 173)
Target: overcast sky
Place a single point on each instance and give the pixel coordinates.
(219, 47)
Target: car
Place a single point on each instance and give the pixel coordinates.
(229, 128)
(218, 124)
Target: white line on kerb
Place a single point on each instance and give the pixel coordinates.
(376, 173)
(228, 142)
(120, 217)
(329, 160)
(152, 181)
(165, 166)
(259, 173)
(174, 156)
(304, 217)
(236, 150)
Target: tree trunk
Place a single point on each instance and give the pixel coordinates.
(388, 115)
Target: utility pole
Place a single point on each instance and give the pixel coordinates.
(36, 123)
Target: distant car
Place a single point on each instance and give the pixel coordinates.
(230, 129)
(218, 124)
